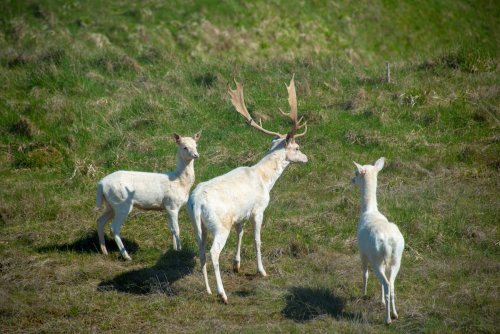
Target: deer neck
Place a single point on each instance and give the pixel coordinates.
(184, 172)
(270, 168)
(369, 195)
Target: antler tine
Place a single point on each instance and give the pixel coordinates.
(292, 101)
(300, 121)
(238, 102)
(287, 114)
(303, 133)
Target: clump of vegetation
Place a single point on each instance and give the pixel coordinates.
(45, 156)
(111, 62)
(24, 127)
(206, 80)
(468, 60)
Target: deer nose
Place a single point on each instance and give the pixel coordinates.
(196, 155)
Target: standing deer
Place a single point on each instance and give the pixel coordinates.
(228, 200)
(380, 242)
(123, 190)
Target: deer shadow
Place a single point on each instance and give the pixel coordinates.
(90, 244)
(172, 266)
(305, 304)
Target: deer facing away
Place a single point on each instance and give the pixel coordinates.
(380, 242)
(122, 191)
(228, 200)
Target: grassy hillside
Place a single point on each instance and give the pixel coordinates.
(88, 88)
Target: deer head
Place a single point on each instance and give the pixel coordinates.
(367, 171)
(293, 153)
(187, 147)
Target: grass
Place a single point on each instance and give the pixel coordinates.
(89, 88)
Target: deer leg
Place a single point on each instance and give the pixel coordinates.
(203, 257)
(237, 258)
(380, 272)
(220, 238)
(201, 236)
(364, 268)
(101, 221)
(257, 223)
(116, 226)
(393, 272)
(173, 224)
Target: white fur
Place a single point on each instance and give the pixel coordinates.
(232, 198)
(380, 242)
(123, 190)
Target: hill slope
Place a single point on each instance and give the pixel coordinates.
(89, 88)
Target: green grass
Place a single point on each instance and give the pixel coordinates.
(88, 88)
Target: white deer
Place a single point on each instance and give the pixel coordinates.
(123, 190)
(228, 200)
(380, 242)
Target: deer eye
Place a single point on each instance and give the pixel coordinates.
(185, 148)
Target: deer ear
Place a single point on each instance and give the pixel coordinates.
(379, 164)
(360, 168)
(177, 138)
(197, 136)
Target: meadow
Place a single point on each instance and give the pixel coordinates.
(91, 87)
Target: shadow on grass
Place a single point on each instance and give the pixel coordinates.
(90, 244)
(172, 266)
(304, 304)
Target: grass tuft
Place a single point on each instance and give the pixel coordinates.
(37, 157)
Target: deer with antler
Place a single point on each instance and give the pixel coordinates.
(230, 199)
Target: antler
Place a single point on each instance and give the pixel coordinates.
(239, 104)
(292, 101)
